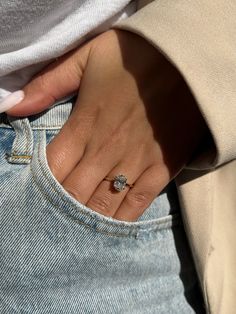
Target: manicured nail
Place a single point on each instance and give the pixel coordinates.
(11, 100)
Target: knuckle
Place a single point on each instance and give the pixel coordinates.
(101, 203)
(139, 199)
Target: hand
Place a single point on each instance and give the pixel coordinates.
(134, 115)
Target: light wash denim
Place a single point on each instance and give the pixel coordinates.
(59, 256)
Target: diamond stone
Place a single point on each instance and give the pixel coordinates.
(119, 182)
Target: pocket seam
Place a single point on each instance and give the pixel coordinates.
(162, 223)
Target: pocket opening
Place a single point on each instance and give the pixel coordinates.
(60, 199)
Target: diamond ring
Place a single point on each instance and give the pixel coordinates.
(119, 182)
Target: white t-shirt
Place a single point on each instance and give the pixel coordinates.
(34, 32)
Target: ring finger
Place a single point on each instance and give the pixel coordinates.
(106, 199)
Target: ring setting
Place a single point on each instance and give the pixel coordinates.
(119, 182)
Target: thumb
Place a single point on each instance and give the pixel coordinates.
(60, 79)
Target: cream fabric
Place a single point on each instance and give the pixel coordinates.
(199, 38)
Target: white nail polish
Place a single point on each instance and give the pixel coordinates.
(11, 100)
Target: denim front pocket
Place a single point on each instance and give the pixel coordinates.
(77, 212)
(58, 256)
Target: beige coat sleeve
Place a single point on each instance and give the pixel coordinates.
(199, 38)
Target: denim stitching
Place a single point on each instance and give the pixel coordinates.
(14, 152)
(68, 215)
(15, 145)
(109, 223)
(27, 134)
(172, 222)
(77, 220)
(21, 157)
(26, 154)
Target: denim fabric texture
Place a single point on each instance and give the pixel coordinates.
(59, 256)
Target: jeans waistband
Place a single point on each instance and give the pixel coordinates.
(53, 118)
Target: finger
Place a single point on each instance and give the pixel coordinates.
(73, 141)
(66, 149)
(87, 175)
(60, 79)
(106, 199)
(145, 190)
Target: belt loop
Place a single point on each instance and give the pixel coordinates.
(22, 148)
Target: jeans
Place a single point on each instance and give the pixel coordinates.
(59, 256)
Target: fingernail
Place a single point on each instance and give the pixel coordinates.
(11, 100)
